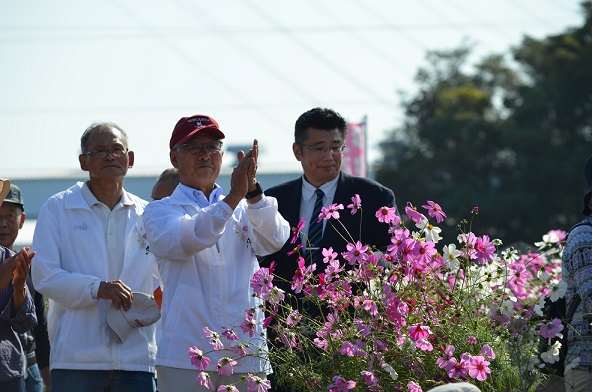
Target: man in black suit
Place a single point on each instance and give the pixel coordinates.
(319, 140)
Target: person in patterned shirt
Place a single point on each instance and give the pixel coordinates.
(577, 273)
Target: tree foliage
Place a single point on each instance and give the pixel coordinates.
(510, 139)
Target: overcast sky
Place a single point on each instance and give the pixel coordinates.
(253, 65)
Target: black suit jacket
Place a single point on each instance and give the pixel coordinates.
(373, 232)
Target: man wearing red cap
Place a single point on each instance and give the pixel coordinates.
(206, 246)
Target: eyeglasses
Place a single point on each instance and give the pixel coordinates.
(117, 152)
(335, 150)
(213, 147)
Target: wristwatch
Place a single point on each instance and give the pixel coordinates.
(258, 191)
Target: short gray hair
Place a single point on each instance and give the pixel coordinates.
(99, 126)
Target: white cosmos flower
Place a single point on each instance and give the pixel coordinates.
(543, 275)
(548, 241)
(390, 370)
(431, 233)
(451, 255)
(539, 306)
(552, 353)
(558, 290)
(507, 308)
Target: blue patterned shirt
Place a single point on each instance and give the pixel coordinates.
(13, 322)
(577, 273)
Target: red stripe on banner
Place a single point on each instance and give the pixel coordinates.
(354, 155)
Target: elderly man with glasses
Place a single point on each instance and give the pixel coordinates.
(90, 257)
(206, 247)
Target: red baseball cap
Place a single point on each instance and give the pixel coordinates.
(187, 127)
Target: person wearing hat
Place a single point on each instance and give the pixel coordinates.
(206, 245)
(577, 273)
(35, 342)
(91, 257)
(17, 311)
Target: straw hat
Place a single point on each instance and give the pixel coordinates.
(5, 187)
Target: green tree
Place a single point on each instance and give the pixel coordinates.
(510, 140)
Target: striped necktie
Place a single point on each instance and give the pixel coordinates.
(315, 228)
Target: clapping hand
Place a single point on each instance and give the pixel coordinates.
(20, 260)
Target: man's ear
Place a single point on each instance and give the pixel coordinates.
(297, 151)
(173, 157)
(82, 159)
(130, 156)
(22, 222)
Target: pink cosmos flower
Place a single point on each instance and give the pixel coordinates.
(328, 254)
(256, 384)
(355, 253)
(340, 384)
(293, 318)
(356, 204)
(488, 351)
(371, 307)
(414, 387)
(229, 334)
(559, 234)
(379, 346)
(295, 249)
(485, 249)
(518, 273)
(288, 338)
(330, 212)
(203, 379)
(261, 281)
(435, 211)
(227, 388)
(248, 325)
(457, 369)
(296, 231)
(347, 349)
(471, 340)
(363, 328)
(302, 274)
(369, 377)
(426, 250)
(274, 296)
(551, 328)
(412, 213)
(478, 368)
(321, 343)
(240, 349)
(419, 331)
(410, 250)
(198, 359)
(398, 238)
(449, 350)
(214, 338)
(468, 241)
(387, 215)
(267, 321)
(224, 366)
(424, 345)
